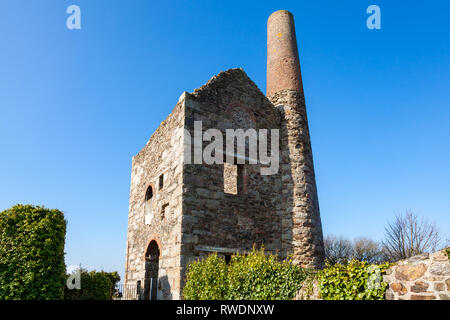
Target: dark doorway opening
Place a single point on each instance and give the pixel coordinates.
(151, 271)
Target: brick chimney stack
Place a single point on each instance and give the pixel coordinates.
(300, 216)
(283, 66)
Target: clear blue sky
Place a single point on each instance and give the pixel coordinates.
(76, 105)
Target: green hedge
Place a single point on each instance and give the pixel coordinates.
(32, 253)
(206, 279)
(259, 276)
(355, 280)
(254, 276)
(94, 286)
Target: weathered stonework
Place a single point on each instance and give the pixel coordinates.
(301, 225)
(163, 155)
(201, 208)
(423, 277)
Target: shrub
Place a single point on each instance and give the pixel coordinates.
(206, 279)
(94, 286)
(355, 280)
(32, 253)
(255, 276)
(260, 276)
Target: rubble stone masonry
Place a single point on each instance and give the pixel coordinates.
(301, 224)
(423, 277)
(163, 155)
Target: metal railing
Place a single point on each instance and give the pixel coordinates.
(127, 292)
(136, 291)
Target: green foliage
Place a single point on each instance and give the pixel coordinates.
(355, 280)
(206, 279)
(448, 253)
(114, 278)
(254, 276)
(307, 289)
(94, 286)
(258, 276)
(32, 253)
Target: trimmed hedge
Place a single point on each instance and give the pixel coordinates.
(255, 276)
(94, 286)
(356, 280)
(32, 253)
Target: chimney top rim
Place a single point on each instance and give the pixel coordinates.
(278, 12)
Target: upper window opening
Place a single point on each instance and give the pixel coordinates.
(163, 210)
(234, 178)
(148, 214)
(230, 174)
(149, 193)
(161, 181)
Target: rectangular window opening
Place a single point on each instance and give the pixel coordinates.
(230, 178)
(233, 178)
(161, 181)
(163, 210)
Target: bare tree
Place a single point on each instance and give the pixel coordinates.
(408, 236)
(365, 249)
(342, 250)
(337, 249)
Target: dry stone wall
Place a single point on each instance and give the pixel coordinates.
(423, 277)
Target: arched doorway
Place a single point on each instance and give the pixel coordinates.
(151, 271)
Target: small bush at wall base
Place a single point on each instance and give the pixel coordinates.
(355, 280)
(254, 276)
(207, 279)
(259, 276)
(32, 253)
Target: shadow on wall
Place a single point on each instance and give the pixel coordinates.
(164, 289)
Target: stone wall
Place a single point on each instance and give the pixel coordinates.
(423, 277)
(160, 219)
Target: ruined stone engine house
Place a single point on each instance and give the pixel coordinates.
(179, 212)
